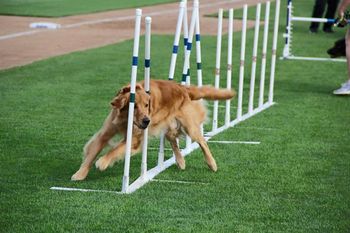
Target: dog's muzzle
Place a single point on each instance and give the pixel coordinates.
(145, 122)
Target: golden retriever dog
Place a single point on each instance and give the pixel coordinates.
(170, 108)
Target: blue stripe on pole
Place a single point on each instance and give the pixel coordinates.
(199, 66)
(147, 63)
(189, 46)
(184, 77)
(132, 97)
(134, 61)
(175, 49)
(198, 37)
(330, 20)
(185, 41)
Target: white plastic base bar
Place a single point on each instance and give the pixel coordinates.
(314, 58)
(236, 121)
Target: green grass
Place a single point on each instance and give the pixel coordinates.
(296, 180)
(59, 8)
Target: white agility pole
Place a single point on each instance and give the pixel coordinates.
(185, 27)
(241, 67)
(288, 34)
(186, 70)
(148, 22)
(161, 150)
(217, 68)
(307, 19)
(274, 51)
(132, 101)
(198, 51)
(229, 66)
(264, 54)
(254, 59)
(180, 20)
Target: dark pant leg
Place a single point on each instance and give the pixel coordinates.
(317, 12)
(332, 6)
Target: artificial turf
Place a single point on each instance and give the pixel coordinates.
(296, 180)
(59, 8)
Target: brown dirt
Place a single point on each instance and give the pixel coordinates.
(94, 30)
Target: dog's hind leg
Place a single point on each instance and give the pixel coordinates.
(195, 134)
(190, 121)
(180, 161)
(118, 153)
(94, 146)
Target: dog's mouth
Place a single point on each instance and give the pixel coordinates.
(142, 125)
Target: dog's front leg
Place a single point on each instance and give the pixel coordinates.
(94, 146)
(118, 153)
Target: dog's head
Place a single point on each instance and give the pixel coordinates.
(120, 104)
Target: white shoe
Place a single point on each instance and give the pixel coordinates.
(344, 90)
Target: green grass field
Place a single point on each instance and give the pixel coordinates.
(296, 180)
(59, 8)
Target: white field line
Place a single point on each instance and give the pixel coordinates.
(256, 128)
(235, 142)
(178, 182)
(84, 190)
(130, 17)
(156, 148)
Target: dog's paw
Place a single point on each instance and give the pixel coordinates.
(79, 175)
(102, 163)
(212, 165)
(181, 164)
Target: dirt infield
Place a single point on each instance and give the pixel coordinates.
(21, 45)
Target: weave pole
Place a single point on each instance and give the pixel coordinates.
(241, 67)
(229, 66)
(186, 68)
(148, 22)
(264, 54)
(132, 101)
(254, 59)
(198, 51)
(185, 26)
(180, 21)
(274, 50)
(217, 68)
(185, 72)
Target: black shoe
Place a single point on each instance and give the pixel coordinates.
(338, 50)
(328, 30)
(313, 30)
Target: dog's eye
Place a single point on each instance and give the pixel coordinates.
(146, 106)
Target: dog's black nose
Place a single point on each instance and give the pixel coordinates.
(145, 121)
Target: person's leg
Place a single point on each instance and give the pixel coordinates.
(345, 88)
(317, 12)
(332, 6)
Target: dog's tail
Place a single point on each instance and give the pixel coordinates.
(209, 93)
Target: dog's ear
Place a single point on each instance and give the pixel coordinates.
(125, 90)
(119, 101)
(138, 87)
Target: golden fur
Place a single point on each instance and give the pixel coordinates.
(170, 108)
